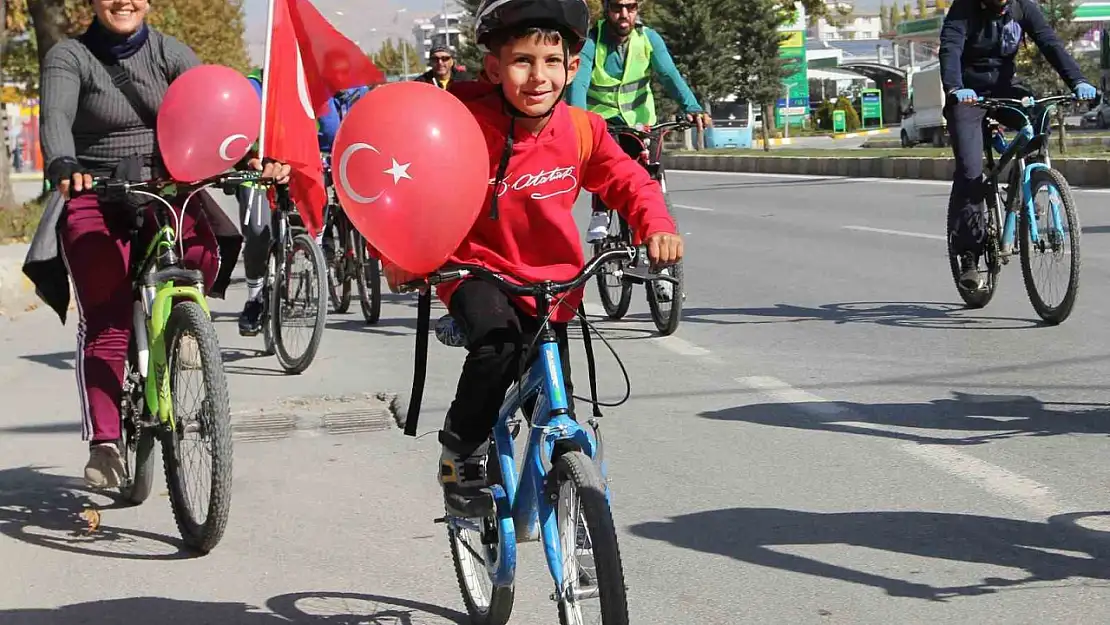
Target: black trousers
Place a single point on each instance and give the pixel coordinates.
(256, 235)
(497, 334)
(967, 220)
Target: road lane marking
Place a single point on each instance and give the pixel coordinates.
(936, 183)
(994, 479)
(901, 233)
(693, 208)
(680, 346)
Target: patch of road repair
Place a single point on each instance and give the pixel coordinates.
(313, 415)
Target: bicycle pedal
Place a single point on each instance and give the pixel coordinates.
(442, 519)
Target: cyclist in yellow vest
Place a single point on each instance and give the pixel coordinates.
(617, 63)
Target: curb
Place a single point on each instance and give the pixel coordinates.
(862, 133)
(17, 294)
(27, 176)
(1080, 172)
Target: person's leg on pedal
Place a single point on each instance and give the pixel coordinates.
(494, 336)
(96, 243)
(967, 224)
(255, 220)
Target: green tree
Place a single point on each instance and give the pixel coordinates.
(212, 28)
(390, 57)
(761, 68)
(1032, 68)
(942, 6)
(907, 12)
(922, 9)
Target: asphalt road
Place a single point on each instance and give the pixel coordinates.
(829, 438)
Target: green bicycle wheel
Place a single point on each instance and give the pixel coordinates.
(201, 513)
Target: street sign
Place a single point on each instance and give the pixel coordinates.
(871, 107)
(840, 121)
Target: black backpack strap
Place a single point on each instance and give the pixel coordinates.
(587, 343)
(420, 368)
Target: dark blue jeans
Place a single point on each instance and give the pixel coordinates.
(967, 222)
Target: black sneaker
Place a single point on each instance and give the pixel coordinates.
(250, 320)
(970, 276)
(463, 478)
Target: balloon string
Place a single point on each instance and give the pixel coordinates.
(505, 155)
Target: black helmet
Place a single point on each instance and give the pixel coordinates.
(569, 17)
(996, 5)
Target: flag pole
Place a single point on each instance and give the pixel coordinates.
(266, 76)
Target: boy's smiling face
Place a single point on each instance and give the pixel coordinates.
(531, 71)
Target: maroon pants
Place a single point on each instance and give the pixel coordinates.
(96, 242)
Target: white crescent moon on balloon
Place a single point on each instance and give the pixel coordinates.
(344, 183)
(226, 145)
(302, 88)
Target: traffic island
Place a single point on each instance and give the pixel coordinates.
(1080, 172)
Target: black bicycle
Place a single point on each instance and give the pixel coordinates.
(1035, 206)
(664, 297)
(348, 260)
(294, 293)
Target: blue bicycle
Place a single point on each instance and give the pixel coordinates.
(1046, 221)
(560, 494)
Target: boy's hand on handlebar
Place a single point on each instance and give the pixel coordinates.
(78, 183)
(278, 171)
(664, 248)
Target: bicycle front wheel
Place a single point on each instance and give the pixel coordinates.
(203, 429)
(369, 279)
(299, 304)
(615, 292)
(981, 297)
(593, 577)
(1055, 253)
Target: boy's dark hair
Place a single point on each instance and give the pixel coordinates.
(548, 35)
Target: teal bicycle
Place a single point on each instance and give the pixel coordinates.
(560, 496)
(173, 337)
(1035, 207)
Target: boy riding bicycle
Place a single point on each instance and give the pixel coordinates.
(527, 227)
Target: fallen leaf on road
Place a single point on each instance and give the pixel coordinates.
(92, 517)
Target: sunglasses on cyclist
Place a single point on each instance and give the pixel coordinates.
(441, 59)
(630, 7)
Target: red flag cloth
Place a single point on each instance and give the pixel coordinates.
(309, 62)
(332, 62)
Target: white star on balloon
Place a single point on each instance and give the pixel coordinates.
(398, 171)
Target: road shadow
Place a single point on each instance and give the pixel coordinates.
(59, 427)
(235, 354)
(63, 361)
(299, 609)
(1094, 229)
(44, 509)
(397, 326)
(927, 315)
(762, 536)
(999, 416)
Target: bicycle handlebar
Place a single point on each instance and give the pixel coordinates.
(657, 130)
(535, 289)
(1026, 102)
(109, 185)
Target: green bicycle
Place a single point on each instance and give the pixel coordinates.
(170, 311)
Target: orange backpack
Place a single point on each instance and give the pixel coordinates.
(585, 132)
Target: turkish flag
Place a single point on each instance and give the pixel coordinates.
(307, 63)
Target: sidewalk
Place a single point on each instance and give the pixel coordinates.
(17, 294)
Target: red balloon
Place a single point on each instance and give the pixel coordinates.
(411, 170)
(208, 120)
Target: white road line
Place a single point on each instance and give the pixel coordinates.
(693, 208)
(942, 183)
(992, 478)
(902, 233)
(682, 347)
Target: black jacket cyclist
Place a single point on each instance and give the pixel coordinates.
(978, 43)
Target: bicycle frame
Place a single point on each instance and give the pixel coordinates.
(1027, 141)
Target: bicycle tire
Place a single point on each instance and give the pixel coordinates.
(981, 297)
(339, 279)
(616, 308)
(1052, 315)
(500, 604)
(268, 320)
(136, 443)
(318, 294)
(574, 467)
(667, 323)
(200, 535)
(368, 276)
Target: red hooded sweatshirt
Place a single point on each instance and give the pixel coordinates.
(535, 236)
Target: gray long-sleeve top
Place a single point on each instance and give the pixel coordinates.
(85, 116)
